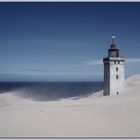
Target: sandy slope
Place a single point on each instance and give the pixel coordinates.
(92, 116)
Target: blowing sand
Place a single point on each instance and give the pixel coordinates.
(108, 116)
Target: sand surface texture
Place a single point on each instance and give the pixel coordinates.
(108, 116)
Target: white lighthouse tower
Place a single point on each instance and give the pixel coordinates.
(114, 74)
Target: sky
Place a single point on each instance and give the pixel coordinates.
(66, 41)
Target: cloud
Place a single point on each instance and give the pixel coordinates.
(92, 62)
(1, 65)
(36, 70)
(132, 60)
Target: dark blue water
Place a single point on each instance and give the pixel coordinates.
(51, 91)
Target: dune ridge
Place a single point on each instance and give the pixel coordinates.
(92, 116)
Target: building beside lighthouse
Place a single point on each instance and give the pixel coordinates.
(114, 74)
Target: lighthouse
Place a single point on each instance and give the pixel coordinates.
(114, 74)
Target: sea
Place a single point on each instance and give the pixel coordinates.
(52, 90)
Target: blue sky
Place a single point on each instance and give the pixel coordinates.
(66, 41)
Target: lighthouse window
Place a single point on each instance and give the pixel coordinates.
(112, 54)
(116, 68)
(117, 76)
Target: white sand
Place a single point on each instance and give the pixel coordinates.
(117, 116)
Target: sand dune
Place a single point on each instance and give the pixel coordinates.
(109, 116)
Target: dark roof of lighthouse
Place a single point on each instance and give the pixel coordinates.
(113, 45)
